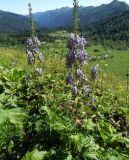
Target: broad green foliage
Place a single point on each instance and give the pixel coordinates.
(37, 122)
(42, 119)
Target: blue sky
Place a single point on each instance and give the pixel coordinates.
(20, 6)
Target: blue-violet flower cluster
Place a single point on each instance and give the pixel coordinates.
(75, 58)
(32, 48)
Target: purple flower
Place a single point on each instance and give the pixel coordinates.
(79, 73)
(94, 72)
(76, 51)
(81, 56)
(74, 89)
(76, 56)
(70, 58)
(76, 42)
(69, 79)
(84, 78)
(32, 48)
(71, 42)
(29, 41)
(30, 57)
(80, 42)
(40, 56)
(37, 42)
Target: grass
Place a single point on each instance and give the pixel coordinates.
(95, 126)
(117, 62)
(10, 56)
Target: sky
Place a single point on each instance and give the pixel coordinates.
(20, 6)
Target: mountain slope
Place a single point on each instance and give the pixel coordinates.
(63, 17)
(114, 27)
(13, 22)
(54, 18)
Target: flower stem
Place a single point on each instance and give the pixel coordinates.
(75, 17)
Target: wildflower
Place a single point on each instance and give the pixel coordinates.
(84, 78)
(69, 79)
(80, 42)
(74, 89)
(76, 55)
(83, 42)
(33, 48)
(70, 58)
(30, 57)
(81, 56)
(40, 56)
(29, 41)
(71, 42)
(79, 73)
(76, 51)
(39, 71)
(36, 41)
(94, 72)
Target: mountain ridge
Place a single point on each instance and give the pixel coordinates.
(63, 16)
(12, 22)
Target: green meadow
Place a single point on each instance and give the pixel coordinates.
(117, 62)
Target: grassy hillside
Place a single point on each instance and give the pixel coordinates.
(115, 63)
(59, 125)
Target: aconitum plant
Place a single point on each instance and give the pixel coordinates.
(76, 58)
(32, 46)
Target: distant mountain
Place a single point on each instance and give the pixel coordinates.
(63, 17)
(54, 18)
(10, 22)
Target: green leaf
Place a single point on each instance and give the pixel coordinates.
(35, 155)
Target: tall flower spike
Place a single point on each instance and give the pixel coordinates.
(76, 56)
(75, 17)
(33, 43)
(32, 26)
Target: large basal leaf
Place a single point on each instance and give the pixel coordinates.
(35, 155)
